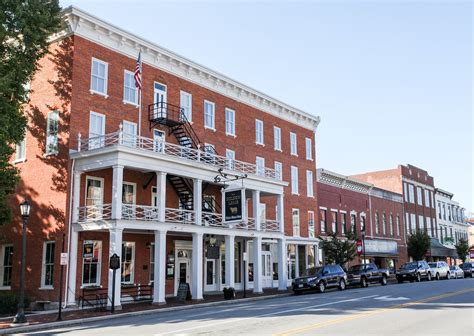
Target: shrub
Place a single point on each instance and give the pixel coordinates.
(9, 303)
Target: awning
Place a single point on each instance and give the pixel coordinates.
(439, 250)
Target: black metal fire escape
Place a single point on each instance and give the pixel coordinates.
(174, 118)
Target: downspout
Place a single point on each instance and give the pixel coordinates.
(66, 288)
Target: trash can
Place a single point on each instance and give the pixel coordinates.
(229, 293)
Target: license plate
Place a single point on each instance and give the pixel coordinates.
(404, 275)
(300, 286)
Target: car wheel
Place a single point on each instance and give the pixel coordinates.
(363, 282)
(321, 287)
(384, 280)
(342, 284)
(400, 280)
(418, 277)
(437, 276)
(448, 276)
(429, 276)
(298, 292)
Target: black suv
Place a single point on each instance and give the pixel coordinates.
(414, 271)
(468, 268)
(363, 274)
(320, 278)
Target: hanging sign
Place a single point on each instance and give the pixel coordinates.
(233, 205)
(359, 247)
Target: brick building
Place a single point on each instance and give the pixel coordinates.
(347, 204)
(147, 184)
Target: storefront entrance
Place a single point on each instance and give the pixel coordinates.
(182, 264)
(210, 275)
(267, 269)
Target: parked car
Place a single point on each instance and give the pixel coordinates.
(455, 272)
(439, 269)
(320, 278)
(362, 275)
(468, 269)
(414, 271)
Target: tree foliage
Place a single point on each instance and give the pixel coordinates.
(462, 249)
(25, 28)
(339, 250)
(418, 244)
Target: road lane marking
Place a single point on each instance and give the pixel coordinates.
(367, 314)
(264, 315)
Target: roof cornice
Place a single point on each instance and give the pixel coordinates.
(90, 27)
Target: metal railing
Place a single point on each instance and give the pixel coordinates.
(161, 147)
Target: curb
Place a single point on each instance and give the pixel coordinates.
(53, 325)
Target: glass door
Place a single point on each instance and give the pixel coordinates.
(210, 275)
(267, 269)
(160, 100)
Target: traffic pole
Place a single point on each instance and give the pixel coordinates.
(61, 285)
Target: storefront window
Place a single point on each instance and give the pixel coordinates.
(311, 256)
(91, 262)
(237, 261)
(291, 261)
(301, 259)
(128, 256)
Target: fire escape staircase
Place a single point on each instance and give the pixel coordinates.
(174, 118)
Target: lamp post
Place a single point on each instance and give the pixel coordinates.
(20, 317)
(363, 245)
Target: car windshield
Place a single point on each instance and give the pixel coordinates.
(357, 268)
(432, 265)
(466, 265)
(410, 265)
(312, 271)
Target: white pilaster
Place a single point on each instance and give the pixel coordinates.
(76, 196)
(256, 208)
(160, 268)
(257, 265)
(229, 261)
(115, 246)
(282, 265)
(117, 185)
(161, 195)
(197, 201)
(196, 269)
(73, 249)
(281, 215)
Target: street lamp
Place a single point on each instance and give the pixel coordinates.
(20, 317)
(363, 245)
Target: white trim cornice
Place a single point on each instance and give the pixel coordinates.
(92, 28)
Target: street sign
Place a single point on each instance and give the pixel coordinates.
(64, 258)
(359, 247)
(245, 256)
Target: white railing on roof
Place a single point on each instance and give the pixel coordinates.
(160, 147)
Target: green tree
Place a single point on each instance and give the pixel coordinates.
(418, 244)
(462, 249)
(25, 28)
(339, 250)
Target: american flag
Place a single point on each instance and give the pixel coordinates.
(138, 72)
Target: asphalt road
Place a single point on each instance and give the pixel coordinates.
(444, 307)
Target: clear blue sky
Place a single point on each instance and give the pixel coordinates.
(391, 80)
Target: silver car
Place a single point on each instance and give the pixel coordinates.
(439, 269)
(455, 272)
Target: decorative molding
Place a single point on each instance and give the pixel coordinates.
(92, 28)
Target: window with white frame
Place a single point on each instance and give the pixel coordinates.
(309, 183)
(52, 132)
(411, 193)
(277, 138)
(391, 225)
(129, 133)
(432, 201)
(407, 222)
(279, 170)
(47, 270)
(96, 130)
(323, 220)
(343, 223)
(362, 223)
(91, 262)
(130, 91)
(421, 223)
(293, 144)
(260, 163)
(229, 122)
(334, 221)
(377, 223)
(294, 180)
(309, 149)
(428, 226)
(230, 158)
(412, 223)
(209, 115)
(259, 132)
(427, 198)
(405, 191)
(20, 150)
(353, 222)
(384, 224)
(128, 262)
(296, 222)
(186, 104)
(419, 195)
(99, 76)
(439, 210)
(6, 266)
(311, 233)
(399, 227)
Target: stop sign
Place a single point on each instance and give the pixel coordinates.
(359, 247)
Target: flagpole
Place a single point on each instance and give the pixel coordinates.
(140, 99)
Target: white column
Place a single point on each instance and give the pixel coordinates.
(257, 265)
(73, 249)
(161, 195)
(282, 265)
(76, 196)
(196, 269)
(229, 261)
(256, 208)
(281, 215)
(115, 246)
(117, 182)
(197, 201)
(160, 268)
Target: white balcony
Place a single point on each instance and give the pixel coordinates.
(159, 148)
